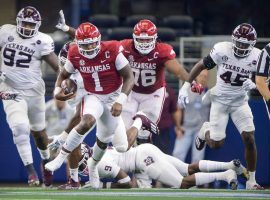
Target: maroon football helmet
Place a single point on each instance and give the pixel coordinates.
(244, 38)
(28, 22)
(62, 56)
(145, 36)
(88, 39)
(86, 152)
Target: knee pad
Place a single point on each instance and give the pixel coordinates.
(20, 133)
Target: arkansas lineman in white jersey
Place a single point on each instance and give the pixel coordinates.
(23, 48)
(148, 159)
(108, 80)
(236, 61)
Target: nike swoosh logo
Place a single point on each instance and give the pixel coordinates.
(150, 59)
(102, 61)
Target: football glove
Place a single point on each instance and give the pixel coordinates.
(183, 95)
(196, 87)
(58, 141)
(2, 76)
(62, 22)
(248, 85)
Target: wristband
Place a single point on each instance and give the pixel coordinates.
(57, 90)
(108, 185)
(122, 98)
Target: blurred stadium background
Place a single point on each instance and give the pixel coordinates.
(190, 26)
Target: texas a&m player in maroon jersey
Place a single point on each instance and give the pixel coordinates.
(108, 79)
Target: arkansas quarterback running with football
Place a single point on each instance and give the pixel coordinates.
(236, 61)
(23, 48)
(102, 67)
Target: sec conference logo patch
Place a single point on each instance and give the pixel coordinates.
(82, 62)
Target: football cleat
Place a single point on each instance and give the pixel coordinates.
(231, 179)
(147, 124)
(33, 180)
(240, 169)
(93, 176)
(199, 143)
(253, 186)
(47, 176)
(70, 185)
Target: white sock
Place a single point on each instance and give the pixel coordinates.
(74, 174)
(205, 127)
(203, 178)
(252, 176)
(44, 154)
(61, 157)
(137, 123)
(97, 155)
(210, 166)
(25, 152)
(73, 140)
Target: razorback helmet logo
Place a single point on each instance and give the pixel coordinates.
(145, 36)
(88, 39)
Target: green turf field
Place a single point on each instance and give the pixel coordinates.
(132, 194)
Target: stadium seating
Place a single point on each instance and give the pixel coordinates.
(166, 34)
(120, 33)
(133, 19)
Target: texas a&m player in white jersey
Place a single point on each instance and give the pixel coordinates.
(150, 160)
(236, 61)
(108, 79)
(23, 48)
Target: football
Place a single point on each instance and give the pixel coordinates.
(68, 86)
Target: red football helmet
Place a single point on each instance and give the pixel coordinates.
(145, 36)
(62, 56)
(244, 38)
(88, 39)
(28, 22)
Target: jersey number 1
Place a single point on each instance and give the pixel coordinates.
(9, 58)
(98, 87)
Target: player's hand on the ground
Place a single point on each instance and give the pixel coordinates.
(179, 131)
(61, 96)
(248, 85)
(10, 96)
(62, 22)
(2, 76)
(196, 87)
(116, 109)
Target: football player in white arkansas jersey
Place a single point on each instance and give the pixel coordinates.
(23, 48)
(236, 61)
(169, 170)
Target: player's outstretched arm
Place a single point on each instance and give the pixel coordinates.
(52, 60)
(177, 69)
(62, 25)
(124, 180)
